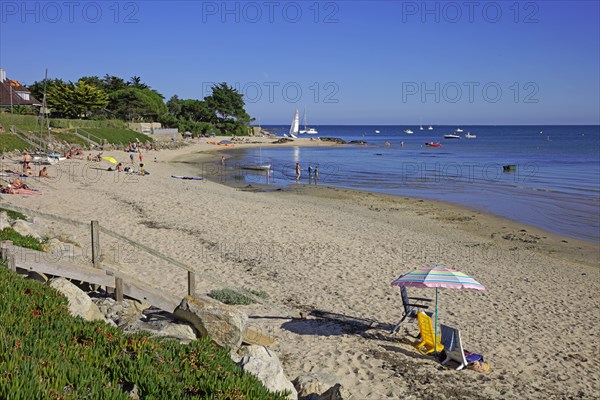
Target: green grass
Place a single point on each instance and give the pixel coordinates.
(114, 131)
(19, 240)
(236, 297)
(70, 138)
(47, 354)
(14, 214)
(21, 122)
(10, 142)
(117, 135)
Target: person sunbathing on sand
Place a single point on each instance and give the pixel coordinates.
(18, 184)
(6, 189)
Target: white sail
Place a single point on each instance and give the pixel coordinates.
(301, 131)
(295, 124)
(307, 130)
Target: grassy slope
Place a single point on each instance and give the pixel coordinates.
(113, 131)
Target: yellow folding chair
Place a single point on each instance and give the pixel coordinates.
(426, 345)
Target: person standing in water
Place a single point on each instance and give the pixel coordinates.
(297, 171)
(316, 171)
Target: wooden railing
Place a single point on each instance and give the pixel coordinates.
(99, 274)
(20, 258)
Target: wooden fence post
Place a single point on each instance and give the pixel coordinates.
(95, 244)
(191, 283)
(119, 289)
(11, 262)
(4, 248)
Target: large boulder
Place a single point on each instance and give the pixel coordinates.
(224, 324)
(313, 385)
(54, 246)
(182, 332)
(121, 313)
(265, 366)
(4, 220)
(336, 392)
(80, 304)
(26, 229)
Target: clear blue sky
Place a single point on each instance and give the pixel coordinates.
(355, 62)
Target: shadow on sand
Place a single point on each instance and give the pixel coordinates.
(326, 323)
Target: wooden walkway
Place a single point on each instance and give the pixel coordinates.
(20, 258)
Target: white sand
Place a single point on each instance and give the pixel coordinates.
(338, 250)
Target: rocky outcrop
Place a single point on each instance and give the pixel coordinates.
(224, 324)
(313, 385)
(80, 304)
(283, 140)
(122, 314)
(265, 366)
(181, 332)
(333, 139)
(336, 392)
(26, 229)
(4, 221)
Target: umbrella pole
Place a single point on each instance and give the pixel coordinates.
(436, 323)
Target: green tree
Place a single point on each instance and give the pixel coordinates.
(94, 81)
(113, 83)
(75, 100)
(174, 106)
(87, 98)
(196, 110)
(58, 98)
(37, 88)
(227, 108)
(133, 104)
(136, 82)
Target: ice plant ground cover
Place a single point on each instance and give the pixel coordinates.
(47, 353)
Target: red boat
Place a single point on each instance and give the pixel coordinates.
(433, 144)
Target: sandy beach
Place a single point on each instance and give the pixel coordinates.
(338, 250)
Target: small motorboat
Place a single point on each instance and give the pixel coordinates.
(458, 130)
(259, 167)
(408, 132)
(451, 136)
(433, 144)
(470, 135)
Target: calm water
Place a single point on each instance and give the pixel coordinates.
(556, 185)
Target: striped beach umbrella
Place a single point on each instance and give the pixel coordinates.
(436, 277)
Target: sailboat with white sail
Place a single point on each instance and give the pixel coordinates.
(295, 126)
(306, 130)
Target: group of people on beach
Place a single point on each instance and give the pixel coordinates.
(17, 186)
(136, 147)
(312, 172)
(74, 153)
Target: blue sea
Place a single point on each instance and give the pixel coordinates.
(555, 186)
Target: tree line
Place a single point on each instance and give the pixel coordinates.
(110, 97)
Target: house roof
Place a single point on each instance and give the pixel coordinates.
(6, 93)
